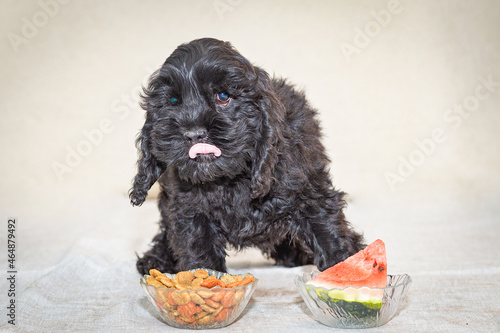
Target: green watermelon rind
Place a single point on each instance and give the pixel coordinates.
(362, 310)
(355, 301)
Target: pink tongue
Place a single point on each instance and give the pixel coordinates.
(203, 148)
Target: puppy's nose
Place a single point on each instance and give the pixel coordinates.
(196, 135)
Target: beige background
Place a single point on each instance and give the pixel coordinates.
(68, 67)
(408, 93)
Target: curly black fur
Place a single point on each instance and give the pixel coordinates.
(269, 189)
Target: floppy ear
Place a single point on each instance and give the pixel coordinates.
(148, 169)
(273, 113)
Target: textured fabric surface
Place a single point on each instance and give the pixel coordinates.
(90, 290)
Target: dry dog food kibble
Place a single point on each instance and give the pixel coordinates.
(191, 303)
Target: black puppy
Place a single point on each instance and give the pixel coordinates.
(240, 163)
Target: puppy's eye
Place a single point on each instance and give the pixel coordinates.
(174, 100)
(222, 99)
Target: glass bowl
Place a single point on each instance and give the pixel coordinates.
(354, 307)
(219, 314)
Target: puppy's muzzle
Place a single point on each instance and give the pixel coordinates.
(196, 135)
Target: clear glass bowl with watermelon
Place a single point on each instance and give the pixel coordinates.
(357, 292)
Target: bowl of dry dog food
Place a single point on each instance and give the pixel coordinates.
(199, 298)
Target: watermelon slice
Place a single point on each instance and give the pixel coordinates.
(349, 283)
(367, 268)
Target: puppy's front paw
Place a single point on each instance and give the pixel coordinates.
(148, 262)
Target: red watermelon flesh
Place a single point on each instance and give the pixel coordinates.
(367, 268)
